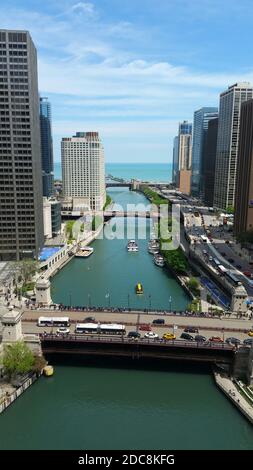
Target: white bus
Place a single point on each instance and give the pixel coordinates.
(101, 329)
(204, 239)
(53, 321)
(221, 268)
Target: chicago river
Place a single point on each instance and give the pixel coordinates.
(113, 404)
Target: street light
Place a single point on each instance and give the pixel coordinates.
(128, 301)
(70, 299)
(170, 301)
(149, 300)
(89, 300)
(107, 296)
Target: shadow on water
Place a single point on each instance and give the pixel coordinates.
(154, 365)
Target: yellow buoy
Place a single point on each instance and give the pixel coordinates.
(48, 371)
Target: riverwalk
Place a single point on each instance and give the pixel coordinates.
(230, 389)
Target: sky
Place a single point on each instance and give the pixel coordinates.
(132, 69)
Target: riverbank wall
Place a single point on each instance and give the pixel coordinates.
(6, 401)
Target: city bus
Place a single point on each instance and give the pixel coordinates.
(221, 268)
(53, 321)
(204, 239)
(101, 329)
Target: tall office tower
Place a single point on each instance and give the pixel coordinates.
(46, 147)
(182, 150)
(227, 143)
(209, 161)
(83, 169)
(243, 218)
(21, 213)
(175, 162)
(200, 125)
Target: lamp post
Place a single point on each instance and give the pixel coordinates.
(149, 301)
(170, 301)
(107, 296)
(70, 299)
(128, 301)
(89, 300)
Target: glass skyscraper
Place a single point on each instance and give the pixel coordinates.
(181, 150)
(200, 125)
(46, 147)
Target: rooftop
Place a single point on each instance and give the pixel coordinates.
(48, 251)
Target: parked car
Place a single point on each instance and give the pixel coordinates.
(223, 254)
(158, 321)
(191, 329)
(210, 258)
(168, 336)
(151, 335)
(238, 266)
(230, 260)
(216, 339)
(234, 341)
(187, 337)
(250, 333)
(90, 320)
(200, 338)
(134, 334)
(247, 273)
(145, 327)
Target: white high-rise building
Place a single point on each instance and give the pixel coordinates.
(83, 169)
(227, 143)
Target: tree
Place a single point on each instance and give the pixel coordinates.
(27, 269)
(17, 358)
(39, 363)
(230, 210)
(193, 285)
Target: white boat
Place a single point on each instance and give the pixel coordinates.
(84, 252)
(159, 261)
(132, 246)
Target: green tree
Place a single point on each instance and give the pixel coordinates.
(193, 285)
(230, 210)
(108, 201)
(27, 269)
(17, 358)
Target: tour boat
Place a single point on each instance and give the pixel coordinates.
(84, 252)
(132, 246)
(139, 288)
(159, 261)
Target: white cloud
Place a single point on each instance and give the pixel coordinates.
(84, 7)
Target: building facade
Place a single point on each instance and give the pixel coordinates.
(227, 143)
(21, 204)
(182, 151)
(209, 161)
(201, 119)
(243, 217)
(52, 217)
(46, 147)
(83, 169)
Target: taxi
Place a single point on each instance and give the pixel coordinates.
(168, 336)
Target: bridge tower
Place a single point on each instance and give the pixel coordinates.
(11, 326)
(43, 294)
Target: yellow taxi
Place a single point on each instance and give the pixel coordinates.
(169, 336)
(250, 333)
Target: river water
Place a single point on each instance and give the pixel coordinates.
(102, 404)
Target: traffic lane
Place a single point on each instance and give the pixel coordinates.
(29, 328)
(178, 320)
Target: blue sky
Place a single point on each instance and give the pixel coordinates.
(132, 69)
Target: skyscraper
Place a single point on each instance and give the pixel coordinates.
(21, 213)
(227, 143)
(243, 218)
(182, 151)
(209, 161)
(201, 118)
(83, 169)
(46, 147)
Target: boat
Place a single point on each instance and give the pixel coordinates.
(153, 247)
(153, 251)
(84, 252)
(159, 261)
(132, 246)
(139, 288)
(48, 371)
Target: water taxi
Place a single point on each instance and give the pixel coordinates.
(139, 288)
(132, 246)
(153, 247)
(84, 252)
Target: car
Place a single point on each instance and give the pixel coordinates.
(63, 331)
(204, 252)
(200, 338)
(134, 334)
(168, 336)
(234, 341)
(187, 337)
(158, 321)
(216, 339)
(238, 266)
(223, 254)
(227, 242)
(151, 335)
(145, 327)
(210, 258)
(90, 320)
(247, 273)
(230, 260)
(248, 341)
(191, 329)
(250, 333)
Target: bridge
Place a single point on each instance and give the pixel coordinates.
(120, 346)
(119, 184)
(142, 214)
